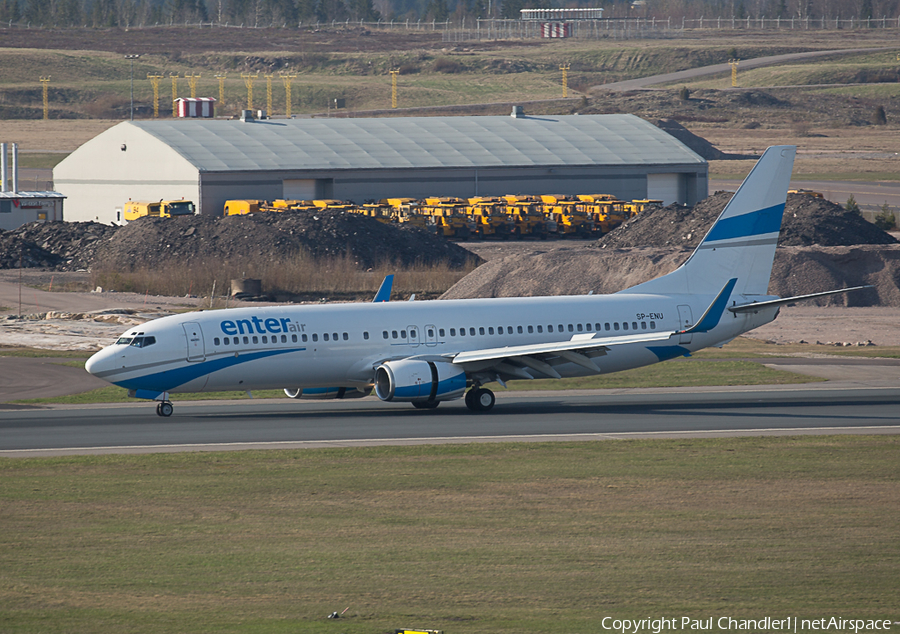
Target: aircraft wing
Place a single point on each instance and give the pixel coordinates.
(580, 350)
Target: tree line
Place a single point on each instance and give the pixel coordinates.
(265, 13)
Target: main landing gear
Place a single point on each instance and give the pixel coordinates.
(480, 399)
(164, 409)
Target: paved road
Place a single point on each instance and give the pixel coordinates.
(135, 428)
(745, 64)
(868, 195)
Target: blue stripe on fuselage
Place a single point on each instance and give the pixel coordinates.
(755, 223)
(168, 380)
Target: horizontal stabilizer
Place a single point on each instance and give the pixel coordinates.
(748, 308)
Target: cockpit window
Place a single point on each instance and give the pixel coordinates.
(138, 342)
(124, 341)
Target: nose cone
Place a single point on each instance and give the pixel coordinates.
(100, 363)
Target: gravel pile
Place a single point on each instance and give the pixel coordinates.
(72, 243)
(807, 221)
(274, 236)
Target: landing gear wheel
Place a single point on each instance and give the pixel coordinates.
(425, 404)
(164, 409)
(480, 399)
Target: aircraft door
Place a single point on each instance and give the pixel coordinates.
(430, 335)
(413, 332)
(685, 321)
(196, 351)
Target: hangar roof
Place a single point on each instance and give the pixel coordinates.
(419, 142)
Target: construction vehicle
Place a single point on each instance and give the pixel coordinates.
(566, 211)
(380, 211)
(406, 211)
(636, 207)
(161, 209)
(488, 214)
(290, 205)
(528, 215)
(605, 210)
(447, 217)
(808, 192)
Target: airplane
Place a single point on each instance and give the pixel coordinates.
(427, 352)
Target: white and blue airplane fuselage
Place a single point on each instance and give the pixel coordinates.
(431, 351)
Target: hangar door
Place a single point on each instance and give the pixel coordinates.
(300, 189)
(665, 187)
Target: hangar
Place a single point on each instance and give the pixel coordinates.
(211, 161)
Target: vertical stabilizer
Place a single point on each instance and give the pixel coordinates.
(741, 243)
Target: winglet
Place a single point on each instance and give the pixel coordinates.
(384, 291)
(713, 314)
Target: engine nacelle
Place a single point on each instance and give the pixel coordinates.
(325, 392)
(415, 380)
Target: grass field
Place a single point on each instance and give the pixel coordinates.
(476, 538)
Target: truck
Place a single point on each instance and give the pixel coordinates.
(160, 209)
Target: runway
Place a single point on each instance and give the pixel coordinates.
(583, 415)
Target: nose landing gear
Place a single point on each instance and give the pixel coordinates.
(164, 409)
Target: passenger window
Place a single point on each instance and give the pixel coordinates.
(481, 330)
(549, 328)
(324, 337)
(624, 325)
(431, 332)
(577, 327)
(346, 336)
(471, 332)
(365, 335)
(561, 328)
(403, 334)
(607, 326)
(587, 327)
(509, 330)
(384, 334)
(491, 330)
(572, 328)
(634, 325)
(216, 341)
(265, 339)
(453, 332)
(441, 333)
(246, 341)
(315, 337)
(615, 325)
(393, 334)
(334, 336)
(283, 338)
(597, 327)
(305, 338)
(412, 334)
(652, 325)
(530, 330)
(226, 341)
(293, 338)
(540, 329)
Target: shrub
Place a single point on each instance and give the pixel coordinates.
(879, 117)
(885, 219)
(684, 94)
(851, 205)
(446, 65)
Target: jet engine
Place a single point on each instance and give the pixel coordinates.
(416, 380)
(326, 392)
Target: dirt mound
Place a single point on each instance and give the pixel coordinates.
(797, 271)
(18, 253)
(807, 221)
(274, 236)
(72, 243)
